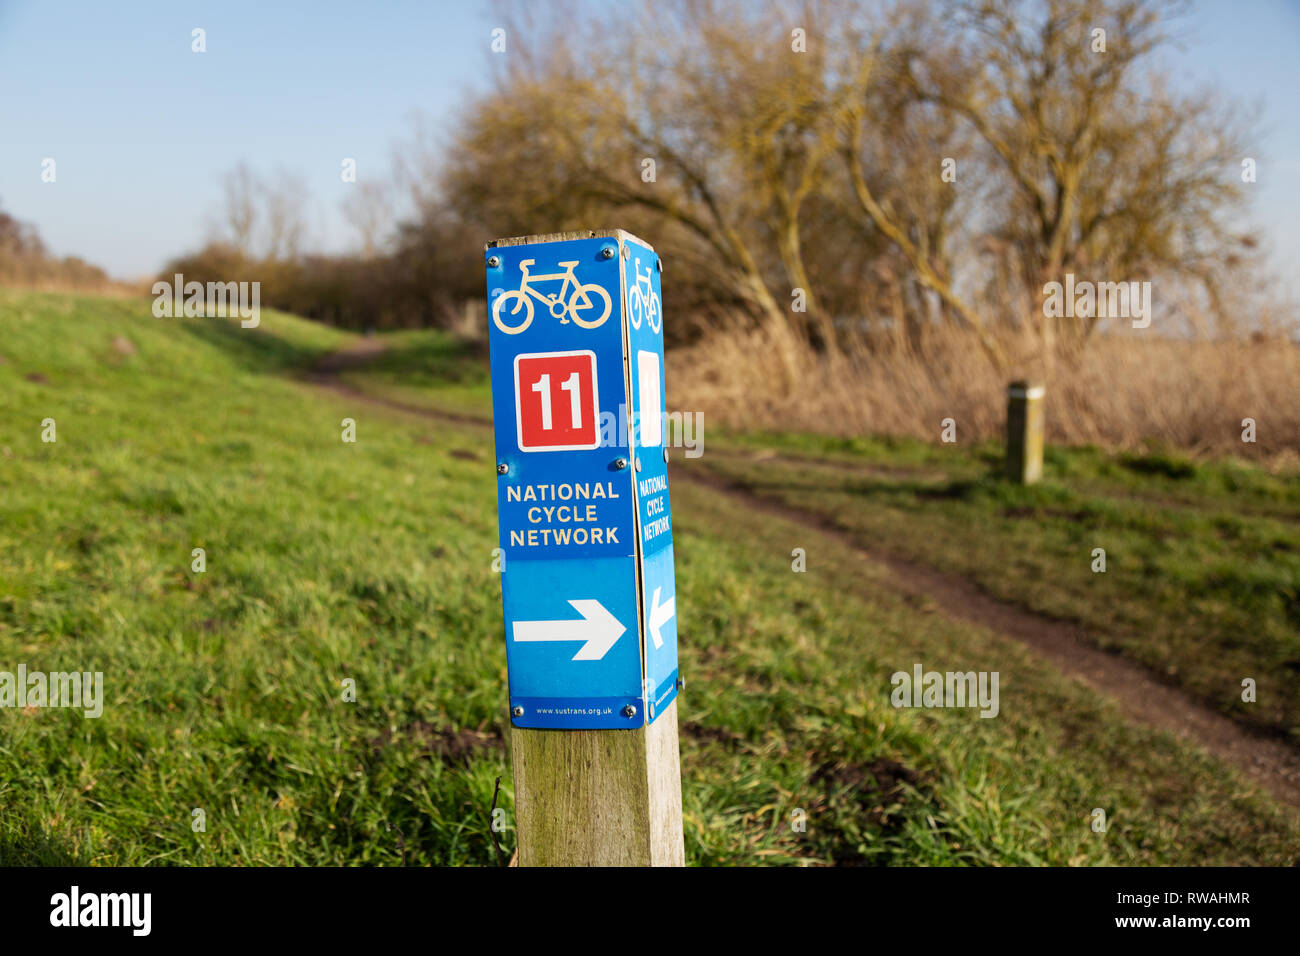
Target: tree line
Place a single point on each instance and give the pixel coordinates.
(844, 169)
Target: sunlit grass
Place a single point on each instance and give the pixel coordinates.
(371, 562)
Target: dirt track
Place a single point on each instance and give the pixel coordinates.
(1271, 762)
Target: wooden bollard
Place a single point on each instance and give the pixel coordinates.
(599, 797)
(588, 587)
(1025, 432)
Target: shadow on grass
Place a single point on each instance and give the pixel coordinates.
(257, 349)
(436, 360)
(1160, 464)
(962, 490)
(26, 848)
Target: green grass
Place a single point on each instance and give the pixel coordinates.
(372, 562)
(431, 369)
(1202, 578)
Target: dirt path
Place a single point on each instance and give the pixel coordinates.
(1274, 764)
(931, 476)
(1142, 697)
(325, 374)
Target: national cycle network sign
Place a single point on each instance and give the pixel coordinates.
(587, 586)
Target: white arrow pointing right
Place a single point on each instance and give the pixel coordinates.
(659, 615)
(597, 627)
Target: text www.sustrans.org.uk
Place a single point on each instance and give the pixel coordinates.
(1204, 923)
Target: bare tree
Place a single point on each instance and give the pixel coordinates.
(368, 208)
(238, 215)
(285, 199)
(894, 149)
(764, 166)
(1101, 167)
(698, 118)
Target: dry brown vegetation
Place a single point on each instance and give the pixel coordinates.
(1124, 390)
(26, 263)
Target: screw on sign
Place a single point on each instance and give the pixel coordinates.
(588, 591)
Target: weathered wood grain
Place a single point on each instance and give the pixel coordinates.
(599, 797)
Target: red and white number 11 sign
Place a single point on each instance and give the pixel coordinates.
(556, 408)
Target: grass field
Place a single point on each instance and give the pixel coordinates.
(1202, 560)
(371, 561)
(1202, 579)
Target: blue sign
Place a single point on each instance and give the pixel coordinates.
(585, 526)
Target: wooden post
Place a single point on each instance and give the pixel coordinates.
(1025, 432)
(598, 797)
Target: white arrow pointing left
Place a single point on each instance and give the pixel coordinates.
(659, 615)
(597, 628)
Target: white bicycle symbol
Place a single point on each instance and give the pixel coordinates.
(579, 302)
(643, 304)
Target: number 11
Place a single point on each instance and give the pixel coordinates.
(543, 387)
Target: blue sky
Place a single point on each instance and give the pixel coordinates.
(141, 128)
